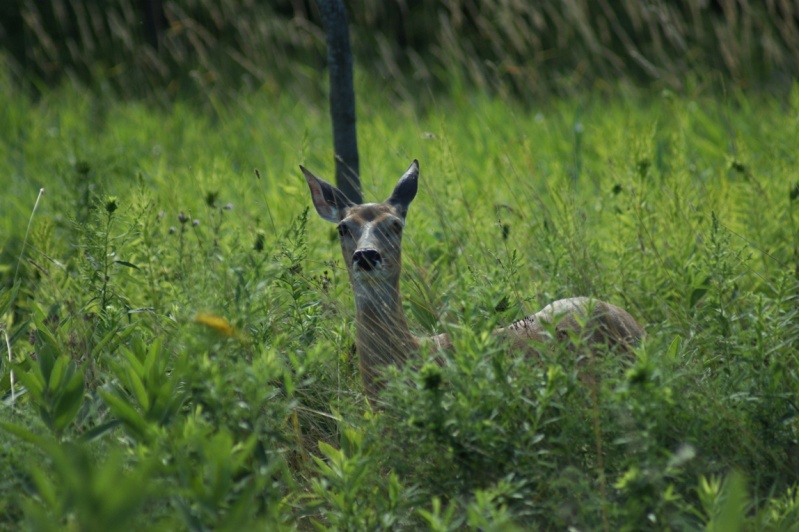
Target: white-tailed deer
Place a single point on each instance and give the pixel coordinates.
(371, 242)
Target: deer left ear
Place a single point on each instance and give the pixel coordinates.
(405, 190)
(330, 202)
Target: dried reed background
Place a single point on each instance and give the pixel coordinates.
(515, 47)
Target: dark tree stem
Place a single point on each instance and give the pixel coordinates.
(153, 18)
(342, 97)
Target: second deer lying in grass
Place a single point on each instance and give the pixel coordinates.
(371, 242)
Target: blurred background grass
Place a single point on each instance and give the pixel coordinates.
(157, 49)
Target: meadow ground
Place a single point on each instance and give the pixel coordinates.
(179, 323)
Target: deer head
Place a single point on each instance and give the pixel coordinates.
(371, 233)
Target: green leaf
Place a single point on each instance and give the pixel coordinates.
(674, 346)
(32, 380)
(126, 263)
(45, 336)
(22, 329)
(47, 359)
(127, 414)
(113, 334)
(46, 489)
(165, 403)
(9, 297)
(219, 466)
(699, 292)
(61, 371)
(133, 362)
(332, 454)
(242, 452)
(324, 469)
(288, 383)
(351, 441)
(138, 389)
(734, 505)
(696, 295)
(69, 402)
(152, 370)
(99, 431)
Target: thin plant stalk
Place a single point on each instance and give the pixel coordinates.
(16, 276)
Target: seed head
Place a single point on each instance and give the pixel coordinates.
(431, 377)
(259, 242)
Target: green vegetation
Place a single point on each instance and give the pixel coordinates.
(179, 329)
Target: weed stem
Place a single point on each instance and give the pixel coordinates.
(27, 232)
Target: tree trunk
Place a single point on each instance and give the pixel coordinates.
(342, 97)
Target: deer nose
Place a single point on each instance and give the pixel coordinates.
(366, 259)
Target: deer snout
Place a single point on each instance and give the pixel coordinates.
(366, 259)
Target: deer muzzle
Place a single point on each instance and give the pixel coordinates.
(367, 259)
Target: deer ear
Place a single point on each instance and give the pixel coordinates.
(405, 190)
(329, 201)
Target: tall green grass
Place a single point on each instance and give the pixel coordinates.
(180, 329)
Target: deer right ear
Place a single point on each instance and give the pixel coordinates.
(329, 201)
(405, 190)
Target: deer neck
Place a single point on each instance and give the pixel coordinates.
(382, 333)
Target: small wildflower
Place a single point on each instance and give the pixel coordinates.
(111, 204)
(210, 198)
(172, 230)
(182, 218)
(195, 223)
(228, 207)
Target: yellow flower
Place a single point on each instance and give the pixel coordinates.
(217, 323)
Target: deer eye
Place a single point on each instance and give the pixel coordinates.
(396, 226)
(343, 230)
